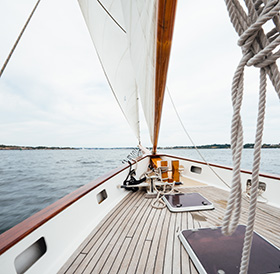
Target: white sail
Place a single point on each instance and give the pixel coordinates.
(140, 20)
(104, 19)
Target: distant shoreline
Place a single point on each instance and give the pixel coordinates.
(220, 146)
(213, 146)
(4, 147)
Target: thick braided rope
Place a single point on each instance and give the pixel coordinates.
(255, 176)
(257, 50)
(232, 214)
(241, 22)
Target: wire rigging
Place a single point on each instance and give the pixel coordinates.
(193, 143)
(18, 39)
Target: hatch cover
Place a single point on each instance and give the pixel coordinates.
(180, 202)
(213, 252)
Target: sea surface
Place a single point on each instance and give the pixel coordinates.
(30, 180)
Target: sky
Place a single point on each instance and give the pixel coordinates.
(54, 92)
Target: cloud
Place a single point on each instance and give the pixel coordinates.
(204, 58)
(54, 91)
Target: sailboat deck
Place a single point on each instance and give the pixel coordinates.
(136, 238)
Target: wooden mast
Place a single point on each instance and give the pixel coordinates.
(165, 26)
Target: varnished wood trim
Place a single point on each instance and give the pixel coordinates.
(20, 231)
(165, 26)
(219, 166)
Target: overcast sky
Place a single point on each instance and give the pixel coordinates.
(54, 93)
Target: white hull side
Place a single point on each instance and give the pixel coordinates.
(67, 230)
(208, 177)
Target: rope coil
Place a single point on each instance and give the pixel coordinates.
(257, 48)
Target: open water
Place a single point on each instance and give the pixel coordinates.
(30, 180)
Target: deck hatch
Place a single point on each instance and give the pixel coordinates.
(212, 252)
(180, 202)
(30, 255)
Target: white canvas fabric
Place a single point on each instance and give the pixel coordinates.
(106, 25)
(141, 23)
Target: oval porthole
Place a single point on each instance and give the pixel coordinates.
(30, 256)
(101, 196)
(196, 169)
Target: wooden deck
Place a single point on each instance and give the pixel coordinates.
(136, 238)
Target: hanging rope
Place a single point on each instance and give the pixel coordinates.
(193, 143)
(257, 48)
(15, 45)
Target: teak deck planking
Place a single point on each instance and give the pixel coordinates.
(136, 238)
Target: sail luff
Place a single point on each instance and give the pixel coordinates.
(165, 26)
(141, 24)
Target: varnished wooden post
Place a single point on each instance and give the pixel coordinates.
(175, 171)
(165, 26)
(164, 173)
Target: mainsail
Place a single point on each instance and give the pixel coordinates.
(141, 21)
(133, 42)
(105, 22)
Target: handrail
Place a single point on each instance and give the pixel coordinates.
(12, 236)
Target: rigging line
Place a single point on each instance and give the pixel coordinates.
(253, 41)
(16, 43)
(186, 132)
(110, 15)
(243, 197)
